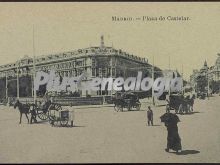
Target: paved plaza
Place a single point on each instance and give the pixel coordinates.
(102, 135)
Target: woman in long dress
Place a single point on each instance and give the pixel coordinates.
(173, 138)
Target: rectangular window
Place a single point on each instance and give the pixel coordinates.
(104, 72)
(109, 72)
(93, 71)
(93, 62)
(100, 72)
(113, 71)
(78, 63)
(97, 72)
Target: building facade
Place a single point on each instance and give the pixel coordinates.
(207, 77)
(101, 61)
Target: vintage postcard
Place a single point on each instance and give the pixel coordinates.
(110, 82)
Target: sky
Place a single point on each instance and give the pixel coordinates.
(60, 27)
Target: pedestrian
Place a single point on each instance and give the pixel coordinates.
(33, 115)
(149, 116)
(173, 138)
(167, 106)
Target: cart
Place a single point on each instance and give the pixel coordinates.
(126, 100)
(178, 103)
(63, 117)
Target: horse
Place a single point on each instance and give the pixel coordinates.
(23, 108)
(119, 103)
(190, 102)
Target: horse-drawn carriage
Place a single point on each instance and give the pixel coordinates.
(126, 100)
(47, 110)
(42, 110)
(180, 104)
(55, 113)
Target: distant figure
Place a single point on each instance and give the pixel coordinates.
(192, 101)
(167, 106)
(149, 116)
(33, 115)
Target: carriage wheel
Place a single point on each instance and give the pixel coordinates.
(63, 122)
(51, 116)
(52, 120)
(181, 109)
(167, 108)
(43, 115)
(115, 108)
(138, 107)
(57, 107)
(176, 110)
(119, 108)
(129, 107)
(187, 108)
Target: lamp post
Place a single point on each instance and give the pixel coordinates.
(34, 69)
(208, 83)
(169, 92)
(6, 87)
(183, 89)
(111, 74)
(18, 79)
(152, 85)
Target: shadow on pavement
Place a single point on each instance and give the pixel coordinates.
(41, 122)
(188, 152)
(131, 111)
(191, 113)
(160, 105)
(68, 126)
(153, 125)
(79, 126)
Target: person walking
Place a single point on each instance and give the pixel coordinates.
(173, 138)
(149, 116)
(33, 115)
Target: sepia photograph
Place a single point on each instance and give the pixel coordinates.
(109, 82)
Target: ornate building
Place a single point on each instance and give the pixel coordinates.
(215, 70)
(207, 76)
(214, 75)
(99, 61)
(199, 78)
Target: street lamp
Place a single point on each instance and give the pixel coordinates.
(6, 87)
(208, 83)
(153, 101)
(18, 66)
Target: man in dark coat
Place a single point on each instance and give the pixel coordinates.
(149, 116)
(33, 116)
(173, 138)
